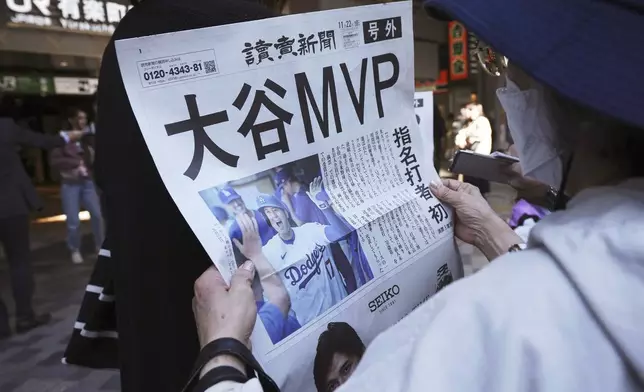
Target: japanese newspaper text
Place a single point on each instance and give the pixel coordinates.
(293, 142)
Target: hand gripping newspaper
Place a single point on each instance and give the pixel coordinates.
(293, 142)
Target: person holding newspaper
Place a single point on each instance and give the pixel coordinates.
(565, 313)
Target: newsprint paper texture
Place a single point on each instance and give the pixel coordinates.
(293, 142)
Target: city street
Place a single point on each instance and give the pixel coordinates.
(32, 362)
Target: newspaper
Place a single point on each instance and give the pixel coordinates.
(292, 142)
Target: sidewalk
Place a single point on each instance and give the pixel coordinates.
(31, 362)
(45, 234)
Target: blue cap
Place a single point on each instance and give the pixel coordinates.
(220, 213)
(228, 194)
(588, 51)
(265, 200)
(282, 176)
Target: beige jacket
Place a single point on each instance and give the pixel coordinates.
(477, 133)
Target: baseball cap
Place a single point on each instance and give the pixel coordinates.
(282, 176)
(265, 200)
(586, 50)
(228, 194)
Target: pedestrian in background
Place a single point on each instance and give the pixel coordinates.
(440, 130)
(74, 162)
(476, 136)
(17, 198)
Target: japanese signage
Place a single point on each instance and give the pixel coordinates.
(458, 51)
(28, 85)
(472, 43)
(86, 16)
(294, 144)
(47, 85)
(75, 86)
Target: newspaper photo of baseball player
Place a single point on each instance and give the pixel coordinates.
(308, 258)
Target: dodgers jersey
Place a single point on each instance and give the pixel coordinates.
(308, 270)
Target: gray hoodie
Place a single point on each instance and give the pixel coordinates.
(520, 324)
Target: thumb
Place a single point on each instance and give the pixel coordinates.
(445, 194)
(210, 282)
(243, 277)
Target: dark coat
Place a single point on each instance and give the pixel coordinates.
(155, 256)
(17, 194)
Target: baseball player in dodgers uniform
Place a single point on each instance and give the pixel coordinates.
(302, 257)
(305, 210)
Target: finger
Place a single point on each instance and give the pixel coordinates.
(512, 150)
(255, 225)
(444, 193)
(243, 277)
(454, 185)
(238, 245)
(210, 283)
(461, 187)
(246, 219)
(243, 223)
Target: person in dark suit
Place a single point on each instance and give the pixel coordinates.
(17, 198)
(439, 133)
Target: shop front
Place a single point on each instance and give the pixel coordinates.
(469, 83)
(50, 55)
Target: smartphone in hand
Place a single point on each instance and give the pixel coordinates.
(494, 167)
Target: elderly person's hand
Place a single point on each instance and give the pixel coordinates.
(530, 190)
(476, 222)
(222, 310)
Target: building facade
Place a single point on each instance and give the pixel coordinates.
(50, 56)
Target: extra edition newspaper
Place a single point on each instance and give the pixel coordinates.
(293, 142)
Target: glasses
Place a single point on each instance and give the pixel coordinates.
(492, 62)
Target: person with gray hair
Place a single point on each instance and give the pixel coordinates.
(563, 312)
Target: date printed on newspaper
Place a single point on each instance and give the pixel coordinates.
(294, 142)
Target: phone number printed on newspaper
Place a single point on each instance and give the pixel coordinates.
(176, 68)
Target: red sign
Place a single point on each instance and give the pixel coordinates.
(438, 85)
(458, 47)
